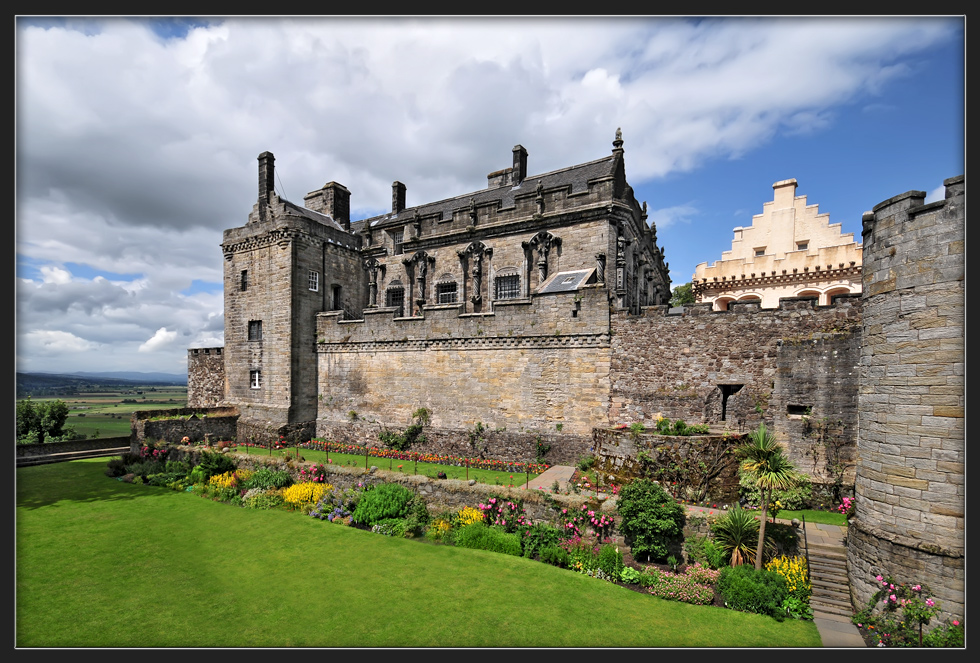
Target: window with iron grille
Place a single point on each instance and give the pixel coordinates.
(244, 279)
(314, 281)
(507, 287)
(255, 378)
(255, 330)
(446, 293)
(396, 297)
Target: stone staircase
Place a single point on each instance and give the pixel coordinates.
(830, 591)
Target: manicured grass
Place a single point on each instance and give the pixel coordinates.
(823, 517)
(407, 466)
(101, 563)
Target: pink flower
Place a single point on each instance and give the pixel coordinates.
(878, 578)
(892, 598)
(956, 622)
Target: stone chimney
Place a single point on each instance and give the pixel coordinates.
(334, 200)
(519, 171)
(397, 197)
(784, 194)
(267, 176)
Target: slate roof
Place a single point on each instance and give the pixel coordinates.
(299, 210)
(576, 176)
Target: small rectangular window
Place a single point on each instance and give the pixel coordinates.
(507, 287)
(314, 281)
(244, 279)
(396, 297)
(802, 246)
(337, 301)
(760, 252)
(255, 378)
(446, 293)
(255, 330)
(396, 240)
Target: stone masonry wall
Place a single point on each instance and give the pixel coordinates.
(528, 366)
(910, 484)
(171, 426)
(675, 365)
(205, 377)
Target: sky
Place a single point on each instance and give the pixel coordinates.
(137, 139)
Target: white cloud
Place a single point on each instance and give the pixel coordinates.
(161, 340)
(134, 153)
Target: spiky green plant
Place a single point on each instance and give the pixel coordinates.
(736, 532)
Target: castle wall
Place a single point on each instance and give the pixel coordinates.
(527, 366)
(680, 366)
(910, 518)
(206, 382)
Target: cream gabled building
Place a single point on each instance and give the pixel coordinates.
(790, 250)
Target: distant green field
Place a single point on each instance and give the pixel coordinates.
(103, 413)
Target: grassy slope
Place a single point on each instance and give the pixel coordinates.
(101, 563)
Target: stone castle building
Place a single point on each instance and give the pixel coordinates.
(790, 250)
(536, 310)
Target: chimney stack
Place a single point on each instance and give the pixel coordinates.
(397, 197)
(520, 165)
(267, 176)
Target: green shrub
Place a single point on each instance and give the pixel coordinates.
(117, 466)
(268, 479)
(792, 499)
(629, 575)
(388, 500)
(651, 518)
(747, 590)
(479, 536)
(259, 498)
(706, 551)
(610, 560)
(538, 537)
(418, 516)
(213, 464)
(585, 463)
(945, 635)
(554, 555)
(390, 527)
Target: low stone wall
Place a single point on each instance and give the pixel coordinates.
(565, 449)
(198, 424)
(617, 452)
(46, 449)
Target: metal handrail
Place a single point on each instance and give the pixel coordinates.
(806, 549)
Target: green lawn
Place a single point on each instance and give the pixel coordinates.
(406, 466)
(101, 563)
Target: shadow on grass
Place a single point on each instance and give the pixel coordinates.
(71, 481)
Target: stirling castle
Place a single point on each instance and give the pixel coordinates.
(536, 310)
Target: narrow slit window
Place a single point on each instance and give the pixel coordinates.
(244, 279)
(255, 378)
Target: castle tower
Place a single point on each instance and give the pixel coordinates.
(910, 489)
(285, 265)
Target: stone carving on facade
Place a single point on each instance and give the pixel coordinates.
(539, 199)
(600, 267)
(373, 268)
(542, 243)
(418, 266)
(471, 260)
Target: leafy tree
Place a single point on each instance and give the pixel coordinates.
(651, 518)
(763, 456)
(683, 294)
(43, 422)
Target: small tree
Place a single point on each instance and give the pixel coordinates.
(683, 294)
(650, 517)
(42, 422)
(763, 456)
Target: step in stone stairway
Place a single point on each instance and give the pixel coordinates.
(830, 591)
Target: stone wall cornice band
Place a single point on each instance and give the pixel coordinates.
(495, 343)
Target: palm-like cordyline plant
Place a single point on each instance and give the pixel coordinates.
(735, 532)
(763, 456)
